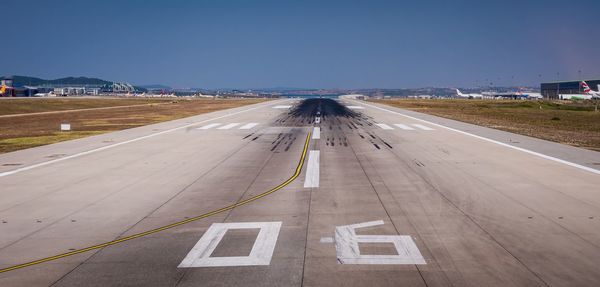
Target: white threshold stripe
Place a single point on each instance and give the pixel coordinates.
(25, 168)
(384, 126)
(404, 127)
(571, 164)
(425, 128)
(210, 126)
(312, 170)
(226, 127)
(248, 126)
(316, 134)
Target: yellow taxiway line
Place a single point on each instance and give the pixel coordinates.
(159, 229)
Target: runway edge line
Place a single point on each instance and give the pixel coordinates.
(172, 225)
(44, 163)
(541, 155)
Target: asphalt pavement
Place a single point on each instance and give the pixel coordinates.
(317, 192)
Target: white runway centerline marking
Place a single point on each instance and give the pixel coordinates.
(316, 134)
(210, 126)
(356, 107)
(571, 164)
(425, 128)
(261, 253)
(228, 126)
(282, 107)
(248, 126)
(404, 127)
(312, 170)
(384, 126)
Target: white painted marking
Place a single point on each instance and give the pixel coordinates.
(312, 169)
(571, 164)
(384, 126)
(210, 126)
(26, 168)
(65, 127)
(356, 107)
(425, 128)
(228, 126)
(327, 240)
(404, 127)
(282, 107)
(316, 134)
(261, 252)
(248, 126)
(348, 251)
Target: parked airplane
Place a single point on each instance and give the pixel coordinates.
(470, 96)
(574, 97)
(530, 95)
(588, 91)
(50, 94)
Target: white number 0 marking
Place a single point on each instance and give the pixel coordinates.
(261, 253)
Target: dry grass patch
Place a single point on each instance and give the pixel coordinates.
(40, 129)
(573, 123)
(11, 106)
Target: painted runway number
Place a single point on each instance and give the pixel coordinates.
(348, 251)
(346, 245)
(262, 250)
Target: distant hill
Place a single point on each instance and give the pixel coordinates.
(19, 81)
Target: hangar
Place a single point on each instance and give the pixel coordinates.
(553, 89)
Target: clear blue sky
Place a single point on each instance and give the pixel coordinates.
(308, 44)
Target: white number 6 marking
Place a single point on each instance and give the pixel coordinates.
(348, 252)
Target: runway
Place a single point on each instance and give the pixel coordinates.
(317, 192)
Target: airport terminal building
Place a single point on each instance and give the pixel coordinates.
(553, 89)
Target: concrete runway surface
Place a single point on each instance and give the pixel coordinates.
(381, 198)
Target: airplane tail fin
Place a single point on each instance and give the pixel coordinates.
(459, 93)
(586, 88)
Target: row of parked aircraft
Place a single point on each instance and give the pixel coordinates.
(588, 94)
(494, 95)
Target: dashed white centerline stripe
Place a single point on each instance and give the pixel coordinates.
(209, 126)
(425, 128)
(571, 164)
(312, 170)
(228, 126)
(316, 134)
(248, 126)
(384, 126)
(404, 127)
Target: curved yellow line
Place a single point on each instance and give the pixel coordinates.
(159, 229)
